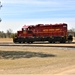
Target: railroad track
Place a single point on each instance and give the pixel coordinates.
(67, 45)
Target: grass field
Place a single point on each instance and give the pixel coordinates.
(6, 40)
(36, 60)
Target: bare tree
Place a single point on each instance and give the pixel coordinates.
(9, 33)
(72, 31)
(0, 5)
(0, 20)
(0, 8)
(2, 34)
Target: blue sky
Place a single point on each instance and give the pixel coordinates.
(16, 13)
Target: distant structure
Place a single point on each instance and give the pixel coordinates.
(0, 8)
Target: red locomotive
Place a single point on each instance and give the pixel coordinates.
(48, 32)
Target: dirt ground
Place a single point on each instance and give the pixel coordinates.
(36, 60)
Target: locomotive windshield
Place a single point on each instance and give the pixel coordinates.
(24, 29)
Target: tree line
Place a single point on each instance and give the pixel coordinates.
(72, 31)
(9, 33)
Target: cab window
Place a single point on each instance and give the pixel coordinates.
(24, 29)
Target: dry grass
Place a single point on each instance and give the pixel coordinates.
(35, 60)
(6, 40)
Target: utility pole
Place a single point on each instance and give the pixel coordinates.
(0, 8)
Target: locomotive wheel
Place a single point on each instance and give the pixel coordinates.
(28, 41)
(31, 41)
(23, 41)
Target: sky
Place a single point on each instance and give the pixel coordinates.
(17, 13)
